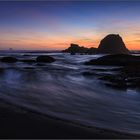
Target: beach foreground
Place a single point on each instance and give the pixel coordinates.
(19, 123)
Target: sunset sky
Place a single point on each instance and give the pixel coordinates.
(55, 24)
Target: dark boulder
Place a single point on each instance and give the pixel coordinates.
(112, 44)
(117, 81)
(116, 60)
(45, 58)
(26, 55)
(9, 59)
(120, 78)
(127, 77)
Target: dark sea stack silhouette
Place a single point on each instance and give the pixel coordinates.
(91, 50)
(9, 59)
(75, 48)
(116, 60)
(45, 59)
(112, 44)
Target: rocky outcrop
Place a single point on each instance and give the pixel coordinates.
(91, 50)
(75, 48)
(8, 59)
(116, 60)
(112, 44)
(127, 77)
(121, 78)
(45, 58)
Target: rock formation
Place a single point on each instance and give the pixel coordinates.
(91, 50)
(75, 48)
(125, 77)
(45, 58)
(112, 44)
(116, 60)
(9, 59)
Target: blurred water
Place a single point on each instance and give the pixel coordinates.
(59, 89)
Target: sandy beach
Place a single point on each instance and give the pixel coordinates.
(19, 123)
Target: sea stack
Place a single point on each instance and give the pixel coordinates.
(112, 44)
(75, 48)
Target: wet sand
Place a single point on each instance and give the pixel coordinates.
(16, 122)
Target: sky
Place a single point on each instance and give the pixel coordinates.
(53, 25)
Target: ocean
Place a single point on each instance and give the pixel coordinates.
(61, 90)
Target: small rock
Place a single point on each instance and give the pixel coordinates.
(9, 59)
(45, 58)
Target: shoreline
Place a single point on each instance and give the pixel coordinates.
(17, 122)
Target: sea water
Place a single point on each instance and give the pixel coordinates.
(60, 89)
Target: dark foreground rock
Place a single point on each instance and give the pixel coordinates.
(112, 44)
(121, 78)
(116, 60)
(125, 77)
(45, 58)
(8, 59)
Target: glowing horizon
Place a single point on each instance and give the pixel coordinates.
(55, 25)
